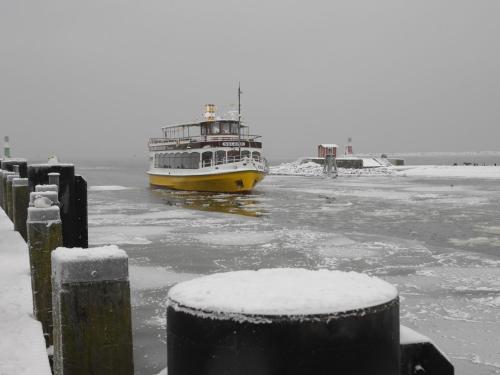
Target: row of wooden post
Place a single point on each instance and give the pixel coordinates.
(81, 296)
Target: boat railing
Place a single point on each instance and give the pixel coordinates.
(202, 138)
(231, 159)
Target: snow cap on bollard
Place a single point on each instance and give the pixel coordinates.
(42, 188)
(43, 214)
(280, 292)
(50, 197)
(94, 264)
(20, 182)
(283, 321)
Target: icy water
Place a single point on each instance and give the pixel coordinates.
(438, 240)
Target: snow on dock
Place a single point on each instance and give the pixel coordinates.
(22, 346)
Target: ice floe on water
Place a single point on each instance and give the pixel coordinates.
(149, 277)
(236, 238)
(109, 188)
(125, 235)
(476, 241)
(152, 218)
(458, 171)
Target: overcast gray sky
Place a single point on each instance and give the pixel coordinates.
(96, 78)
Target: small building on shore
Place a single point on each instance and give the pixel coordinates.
(327, 149)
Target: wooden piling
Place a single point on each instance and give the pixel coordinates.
(44, 235)
(9, 163)
(8, 195)
(1, 187)
(92, 314)
(4, 188)
(20, 199)
(38, 174)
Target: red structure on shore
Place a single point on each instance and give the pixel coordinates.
(327, 149)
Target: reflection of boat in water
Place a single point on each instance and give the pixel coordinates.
(214, 155)
(239, 204)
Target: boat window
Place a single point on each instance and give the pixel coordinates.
(234, 128)
(194, 160)
(225, 128)
(233, 155)
(177, 160)
(168, 161)
(256, 155)
(206, 158)
(156, 161)
(185, 160)
(215, 128)
(245, 154)
(220, 156)
(204, 129)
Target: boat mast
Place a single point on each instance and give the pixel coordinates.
(239, 119)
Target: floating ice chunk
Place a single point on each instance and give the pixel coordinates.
(238, 238)
(281, 291)
(108, 188)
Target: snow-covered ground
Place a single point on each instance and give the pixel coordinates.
(297, 168)
(22, 346)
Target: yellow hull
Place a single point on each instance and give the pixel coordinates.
(229, 182)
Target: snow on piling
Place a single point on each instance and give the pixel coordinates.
(92, 313)
(290, 321)
(44, 235)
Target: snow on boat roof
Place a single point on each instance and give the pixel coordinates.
(279, 292)
(197, 123)
(329, 145)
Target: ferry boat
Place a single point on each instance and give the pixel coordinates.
(213, 155)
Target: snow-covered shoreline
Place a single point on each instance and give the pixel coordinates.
(22, 346)
(311, 169)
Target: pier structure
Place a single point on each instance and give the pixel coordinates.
(83, 295)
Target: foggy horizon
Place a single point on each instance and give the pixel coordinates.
(96, 79)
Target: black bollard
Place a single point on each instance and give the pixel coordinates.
(419, 356)
(283, 321)
(38, 174)
(8, 165)
(82, 225)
